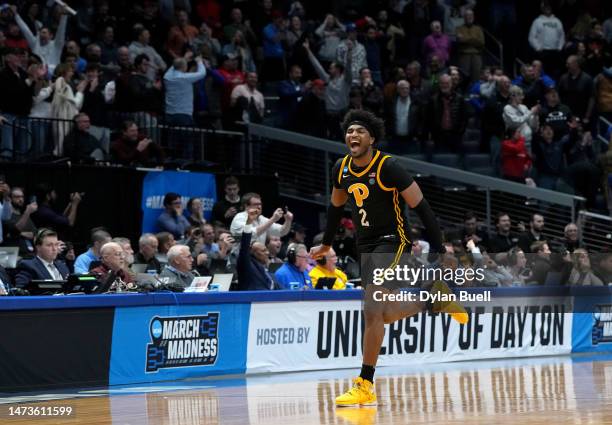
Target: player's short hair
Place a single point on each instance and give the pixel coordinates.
(374, 125)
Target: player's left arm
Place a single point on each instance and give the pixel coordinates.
(393, 175)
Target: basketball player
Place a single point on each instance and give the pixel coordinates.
(376, 187)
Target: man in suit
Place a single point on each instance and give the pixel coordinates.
(180, 262)
(253, 260)
(403, 121)
(45, 265)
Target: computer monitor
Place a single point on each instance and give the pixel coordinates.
(9, 256)
(80, 283)
(224, 281)
(45, 287)
(325, 282)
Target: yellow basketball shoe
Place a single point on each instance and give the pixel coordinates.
(362, 394)
(357, 415)
(453, 308)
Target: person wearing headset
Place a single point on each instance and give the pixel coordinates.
(45, 266)
(293, 274)
(326, 267)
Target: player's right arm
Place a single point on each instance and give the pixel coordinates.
(334, 215)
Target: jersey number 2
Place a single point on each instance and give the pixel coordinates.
(364, 214)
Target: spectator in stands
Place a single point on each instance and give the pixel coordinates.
(65, 105)
(326, 268)
(582, 171)
(516, 161)
(141, 46)
(420, 88)
(225, 209)
(251, 202)
(45, 265)
(41, 108)
(352, 53)
(195, 208)
(179, 91)
(371, 94)
(248, 101)
(44, 45)
(113, 266)
(108, 47)
(330, 32)
(313, 106)
(470, 45)
(372, 46)
(581, 273)
(291, 93)
(555, 113)
(99, 238)
(541, 264)
(571, 239)
(471, 231)
(494, 275)
(547, 38)
(534, 234)
(337, 91)
(128, 251)
(403, 120)
(45, 216)
(437, 44)
(147, 248)
(172, 219)
(576, 90)
(540, 75)
(18, 228)
(274, 35)
(145, 95)
(179, 268)
(549, 158)
(165, 241)
(73, 50)
(504, 239)
(533, 88)
(239, 48)
(416, 19)
(181, 36)
(134, 148)
(293, 273)
(229, 76)
(80, 145)
(493, 120)
(253, 259)
(604, 161)
(517, 266)
(518, 117)
(16, 101)
(274, 244)
(603, 267)
(603, 93)
(446, 117)
(237, 24)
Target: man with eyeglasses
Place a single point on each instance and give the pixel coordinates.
(179, 268)
(45, 265)
(326, 267)
(113, 261)
(262, 226)
(293, 274)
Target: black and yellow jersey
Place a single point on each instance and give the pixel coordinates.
(377, 208)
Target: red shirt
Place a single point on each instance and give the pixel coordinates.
(515, 158)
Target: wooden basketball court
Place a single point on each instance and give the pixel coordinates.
(552, 390)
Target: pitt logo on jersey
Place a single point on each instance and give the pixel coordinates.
(360, 191)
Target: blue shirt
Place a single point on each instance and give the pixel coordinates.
(271, 47)
(179, 89)
(83, 261)
(177, 225)
(288, 273)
